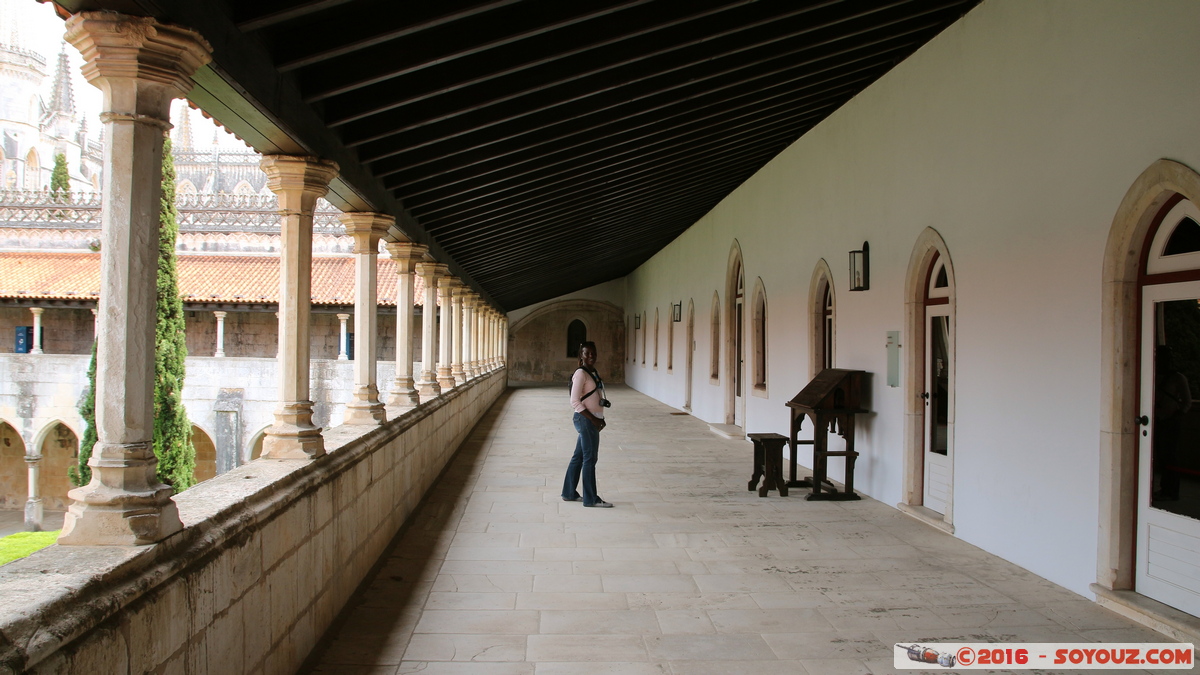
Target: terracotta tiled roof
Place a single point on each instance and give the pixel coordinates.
(202, 278)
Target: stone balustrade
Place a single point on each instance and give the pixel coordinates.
(269, 553)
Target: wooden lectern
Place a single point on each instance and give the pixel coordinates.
(832, 400)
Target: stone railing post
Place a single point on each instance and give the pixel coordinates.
(140, 65)
(445, 331)
(220, 353)
(406, 256)
(33, 505)
(366, 229)
(37, 330)
(468, 324)
(428, 386)
(343, 338)
(456, 351)
(298, 182)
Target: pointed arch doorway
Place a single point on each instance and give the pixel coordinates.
(689, 356)
(735, 342)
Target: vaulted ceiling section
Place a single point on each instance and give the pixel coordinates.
(543, 145)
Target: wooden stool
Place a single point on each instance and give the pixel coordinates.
(768, 463)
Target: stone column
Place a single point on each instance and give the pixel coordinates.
(428, 386)
(406, 255)
(220, 334)
(491, 361)
(503, 340)
(446, 286)
(343, 342)
(367, 229)
(140, 65)
(468, 321)
(36, 346)
(33, 505)
(95, 324)
(456, 350)
(483, 337)
(298, 182)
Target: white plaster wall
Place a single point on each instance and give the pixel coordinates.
(1014, 134)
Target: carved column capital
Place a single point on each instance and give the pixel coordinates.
(118, 46)
(367, 228)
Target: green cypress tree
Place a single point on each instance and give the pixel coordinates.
(60, 179)
(172, 431)
(81, 474)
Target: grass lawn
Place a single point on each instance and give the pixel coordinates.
(17, 546)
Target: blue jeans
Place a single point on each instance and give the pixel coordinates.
(587, 451)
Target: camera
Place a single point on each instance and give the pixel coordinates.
(605, 403)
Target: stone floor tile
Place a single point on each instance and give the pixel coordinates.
(707, 648)
(480, 622)
(684, 622)
(599, 622)
(441, 600)
(626, 668)
(645, 583)
(572, 600)
(431, 647)
(735, 668)
(586, 648)
(464, 668)
(768, 620)
(690, 573)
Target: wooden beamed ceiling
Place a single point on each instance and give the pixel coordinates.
(547, 145)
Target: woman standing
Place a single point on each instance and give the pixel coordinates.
(587, 398)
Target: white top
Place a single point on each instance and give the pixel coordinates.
(581, 384)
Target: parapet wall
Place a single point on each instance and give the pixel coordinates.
(271, 552)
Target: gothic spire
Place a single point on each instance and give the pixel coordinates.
(183, 133)
(62, 97)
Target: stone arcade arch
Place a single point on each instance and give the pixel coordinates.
(1163, 184)
(14, 487)
(929, 251)
(758, 342)
(822, 310)
(58, 445)
(206, 454)
(689, 349)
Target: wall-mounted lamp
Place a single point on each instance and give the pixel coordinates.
(860, 269)
(637, 321)
(677, 312)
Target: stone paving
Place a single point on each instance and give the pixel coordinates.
(689, 573)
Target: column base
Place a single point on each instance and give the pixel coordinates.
(103, 516)
(34, 514)
(459, 375)
(365, 408)
(445, 380)
(427, 387)
(404, 395)
(293, 435)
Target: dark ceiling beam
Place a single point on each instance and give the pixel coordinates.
(680, 89)
(599, 154)
(401, 121)
(640, 167)
(388, 36)
(339, 119)
(386, 72)
(289, 14)
(623, 197)
(633, 129)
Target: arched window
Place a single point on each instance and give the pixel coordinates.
(656, 338)
(33, 171)
(759, 336)
(243, 188)
(576, 335)
(821, 312)
(645, 327)
(671, 339)
(715, 341)
(185, 187)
